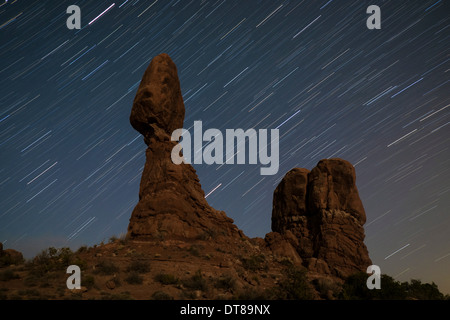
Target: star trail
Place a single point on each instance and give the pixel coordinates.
(71, 162)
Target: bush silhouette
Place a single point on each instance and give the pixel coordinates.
(166, 279)
(295, 285)
(134, 278)
(53, 259)
(196, 282)
(106, 267)
(160, 295)
(139, 267)
(355, 288)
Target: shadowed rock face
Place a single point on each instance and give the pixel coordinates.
(172, 203)
(332, 186)
(320, 214)
(158, 102)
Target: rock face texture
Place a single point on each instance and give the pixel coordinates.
(172, 203)
(319, 214)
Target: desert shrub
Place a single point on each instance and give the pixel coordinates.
(327, 288)
(294, 286)
(226, 282)
(53, 259)
(29, 293)
(106, 267)
(44, 281)
(422, 291)
(166, 279)
(195, 250)
(355, 288)
(123, 240)
(160, 295)
(78, 262)
(113, 239)
(88, 281)
(254, 263)
(391, 289)
(116, 281)
(285, 261)
(134, 278)
(64, 256)
(139, 267)
(83, 249)
(8, 275)
(31, 280)
(196, 282)
(188, 295)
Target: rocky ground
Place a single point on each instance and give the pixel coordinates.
(166, 269)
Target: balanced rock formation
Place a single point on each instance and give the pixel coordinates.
(172, 203)
(319, 215)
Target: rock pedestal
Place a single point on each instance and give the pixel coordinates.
(172, 203)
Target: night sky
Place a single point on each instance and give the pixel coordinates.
(71, 162)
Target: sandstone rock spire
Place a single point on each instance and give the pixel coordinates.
(172, 203)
